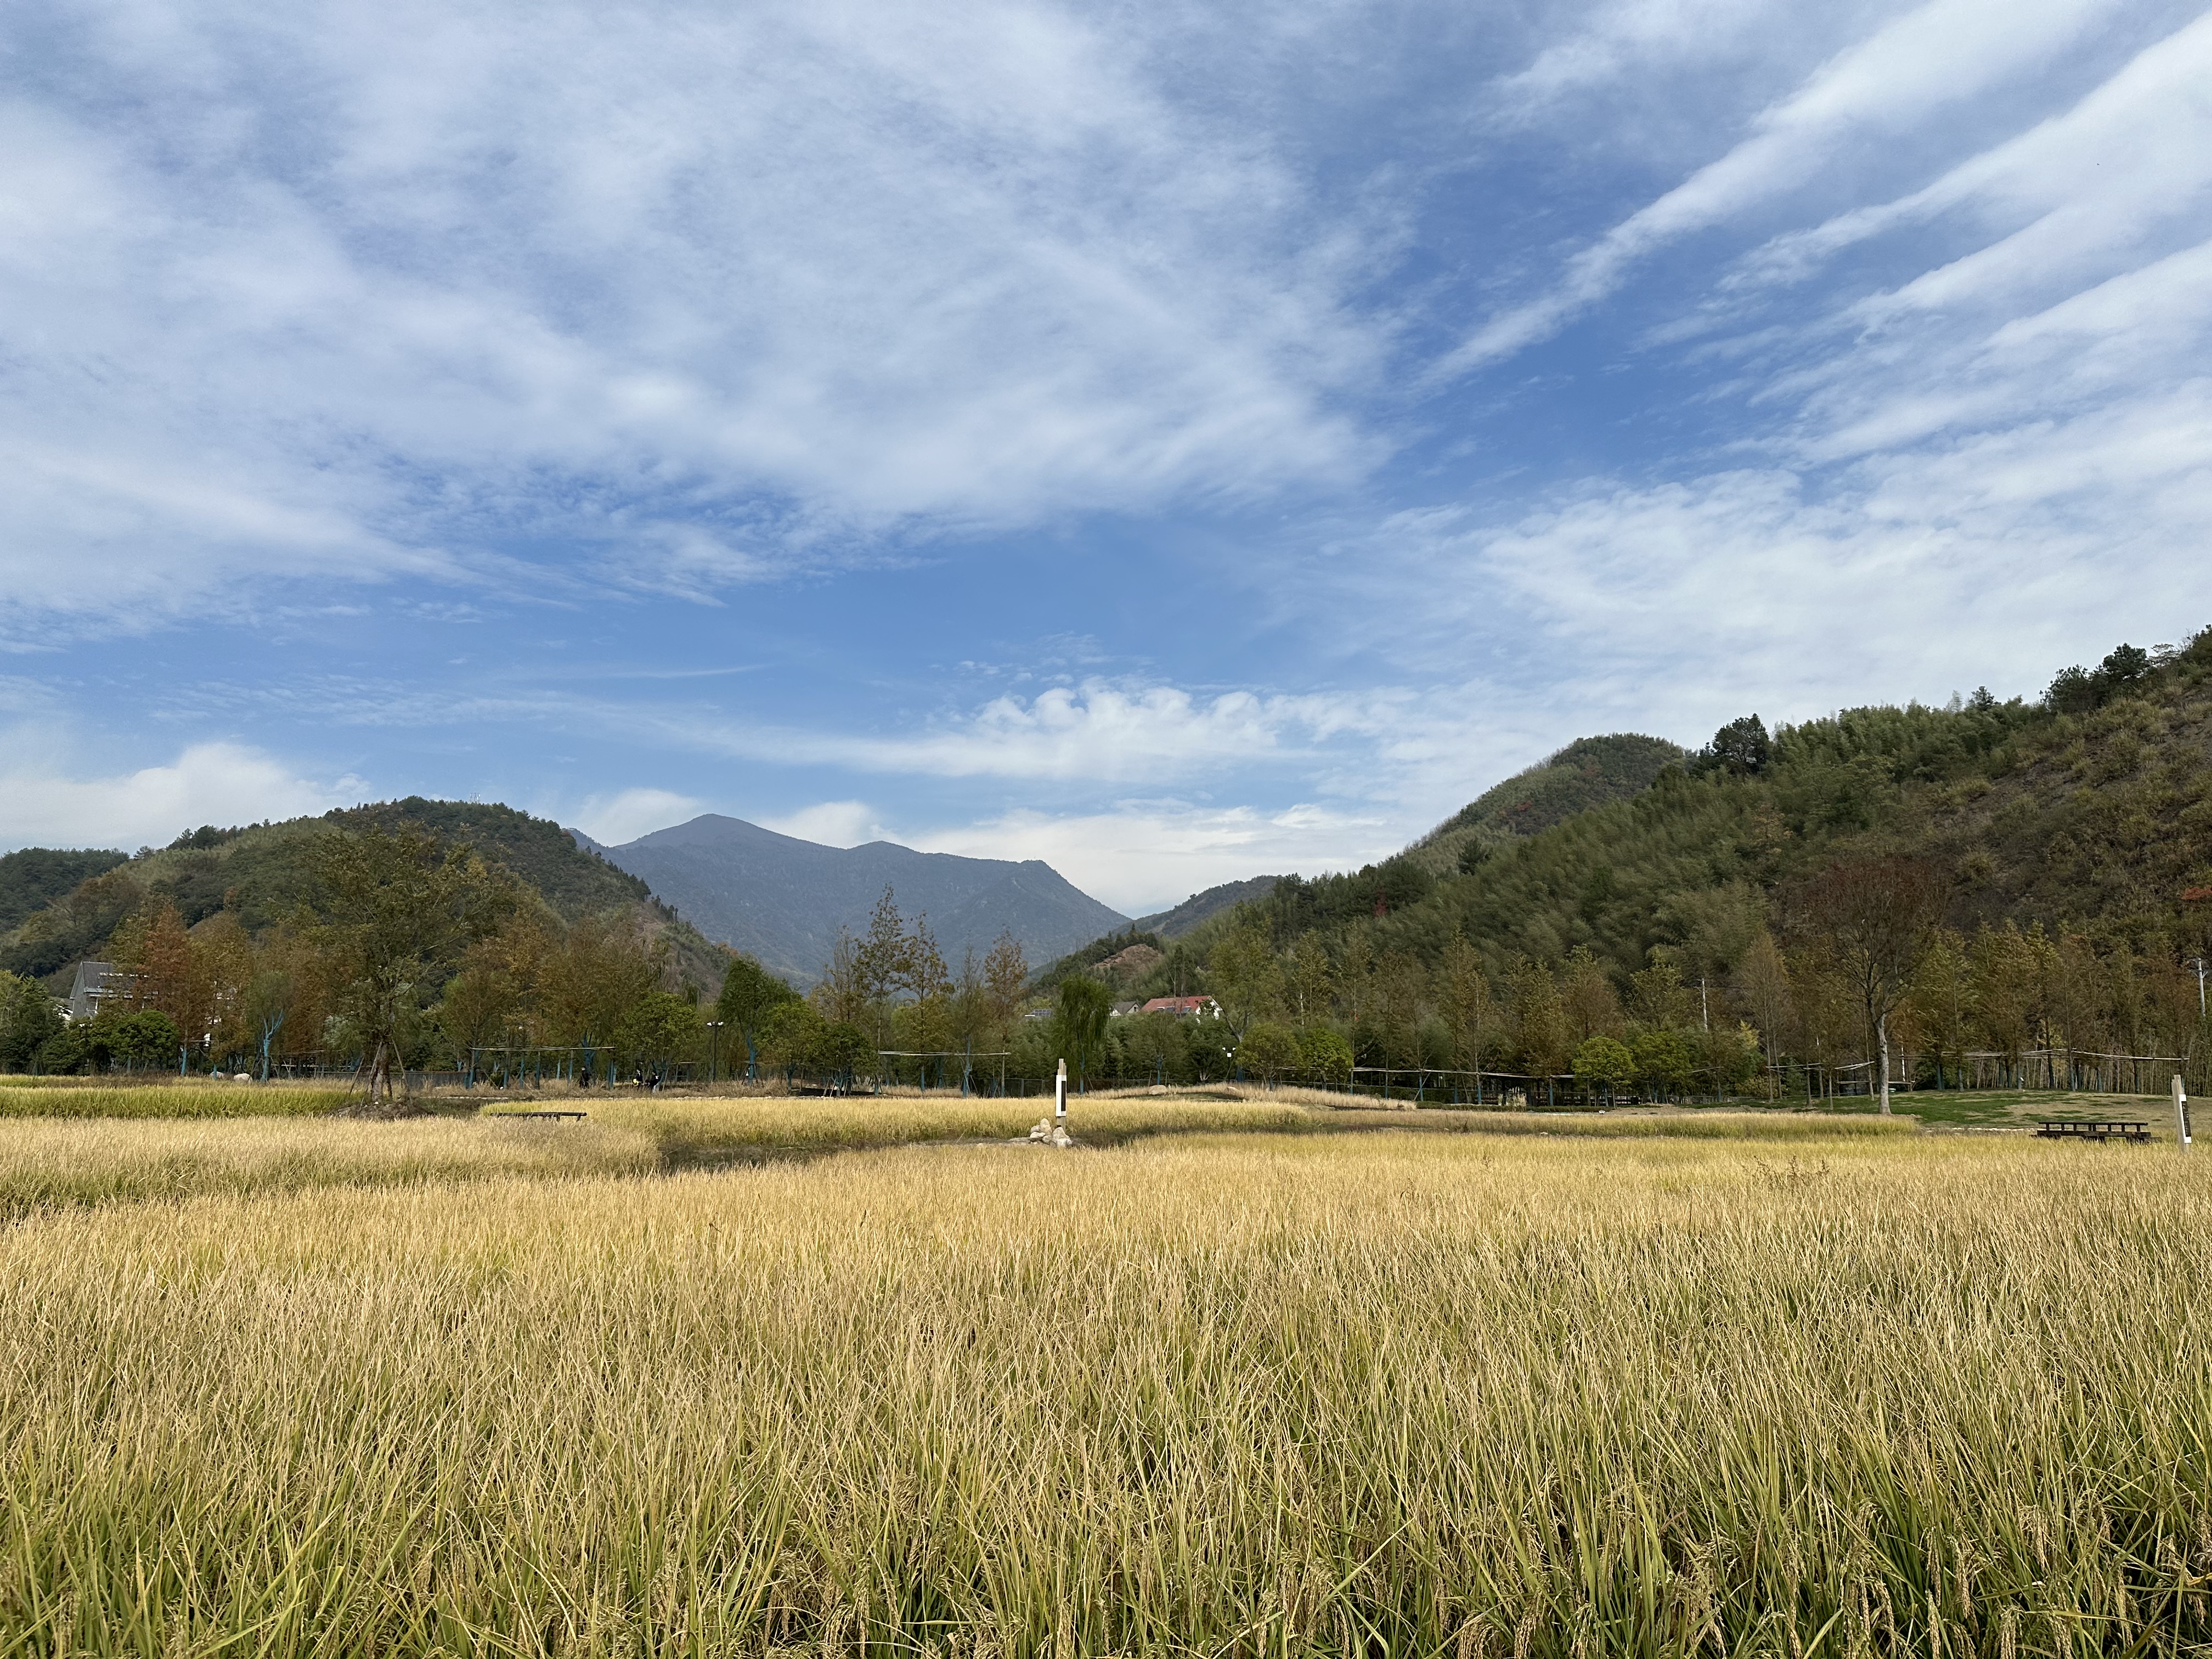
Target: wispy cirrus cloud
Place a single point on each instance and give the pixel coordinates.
(1936, 56)
(373, 358)
(2067, 195)
(760, 289)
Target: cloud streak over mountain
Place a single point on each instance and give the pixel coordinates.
(1015, 418)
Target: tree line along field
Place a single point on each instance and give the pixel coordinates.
(1626, 920)
(1236, 1391)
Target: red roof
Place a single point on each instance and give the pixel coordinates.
(1177, 1004)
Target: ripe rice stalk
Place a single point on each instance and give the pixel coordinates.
(1215, 1393)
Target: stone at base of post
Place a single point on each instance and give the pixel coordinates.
(1060, 1094)
(2180, 1111)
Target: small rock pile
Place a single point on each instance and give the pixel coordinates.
(1047, 1134)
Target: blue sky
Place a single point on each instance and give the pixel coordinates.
(1174, 441)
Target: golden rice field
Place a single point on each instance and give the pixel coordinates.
(1509, 1396)
(85, 1158)
(199, 1098)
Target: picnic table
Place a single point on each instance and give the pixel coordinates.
(2129, 1129)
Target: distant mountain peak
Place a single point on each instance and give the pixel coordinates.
(783, 899)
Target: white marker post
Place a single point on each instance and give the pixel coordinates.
(1060, 1098)
(2181, 1111)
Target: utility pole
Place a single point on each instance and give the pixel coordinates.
(2197, 963)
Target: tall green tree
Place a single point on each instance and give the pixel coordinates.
(1080, 1021)
(1243, 976)
(1878, 917)
(749, 992)
(1308, 980)
(659, 1031)
(1269, 1049)
(401, 908)
(28, 1019)
(1463, 995)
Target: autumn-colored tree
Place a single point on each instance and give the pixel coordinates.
(1942, 1002)
(842, 993)
(1005, 983)
(155, 951)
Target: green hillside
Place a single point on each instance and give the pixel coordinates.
(2096, 821)
(1589, 772)
(2068, 841)
(260, 875)
(1198, 907)
(35, 877)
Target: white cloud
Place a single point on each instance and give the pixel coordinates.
(831, 823)
(1144, 856)
(610, 820)
(1096, 731)
(378, 289)
(1940, 54)
(1991, 558)
(2072, 193)
(1625, 40)
(218, 783)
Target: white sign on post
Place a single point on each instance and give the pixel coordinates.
(1060, 1094)
(2180, 1112)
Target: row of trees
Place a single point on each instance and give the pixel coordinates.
(1850, 978)
(415, 954)
(412, 952)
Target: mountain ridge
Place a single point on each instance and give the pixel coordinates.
(783, 899)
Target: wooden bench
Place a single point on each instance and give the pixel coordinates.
(579, 1117)
(2106, 1129)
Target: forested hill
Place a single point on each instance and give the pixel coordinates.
(34, 876)
(1175, 922)
(261, 875)
(2089, 810)
(1589, 772)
